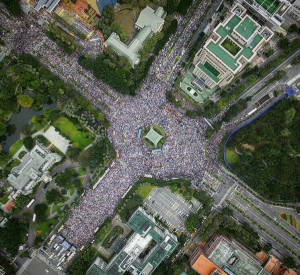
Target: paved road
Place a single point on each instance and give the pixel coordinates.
(183, 155)
(272, 211)
(264, 222)
(254, 88)
(278, 251)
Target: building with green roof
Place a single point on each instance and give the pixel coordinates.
(232, 45)
(146, 248)
(272, 11)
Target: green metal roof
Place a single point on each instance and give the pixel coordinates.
(255, 41)
(222, 54)
(208, 72)
(232, 23)
(246, 28)
(191, 90)
(163, 247)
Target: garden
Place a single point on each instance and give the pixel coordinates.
(112, 236)
(230, 46)
(79, 137)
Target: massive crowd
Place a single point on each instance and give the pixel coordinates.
(183, 153)
(169, 62)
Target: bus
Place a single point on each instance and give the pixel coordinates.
(31, 202)
(140, 132)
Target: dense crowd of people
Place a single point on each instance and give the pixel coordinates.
(183, 152)
(169, 62)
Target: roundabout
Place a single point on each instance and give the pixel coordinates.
(154, 136)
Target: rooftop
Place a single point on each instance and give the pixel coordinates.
(192, 90)
(98, 5)
(220, 52)
(246, 28)
(33, 167)
(48, 4)
(153, 136)
(150, 18)
(144, 251)
(209, 71)
(231, 257)
(149, 22)
(205, 267)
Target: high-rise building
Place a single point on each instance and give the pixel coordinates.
(146, 248)
(223, 256)
(271, 11)
(232, 45)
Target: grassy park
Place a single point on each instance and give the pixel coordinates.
(79, 136)
(145, 190)
(15, 147)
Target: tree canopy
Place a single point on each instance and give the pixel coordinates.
(269, 152)
(25, 101)
(82, 261)
(41, 211)
(13, 6)
(12, 235)
(54, 196)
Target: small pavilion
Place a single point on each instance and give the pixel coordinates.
(153, 136)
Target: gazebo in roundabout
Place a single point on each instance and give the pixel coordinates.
(154, 136)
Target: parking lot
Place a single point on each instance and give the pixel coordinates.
(169, 207)
(38, 267)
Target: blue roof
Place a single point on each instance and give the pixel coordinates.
(102, 3)
(290, 91)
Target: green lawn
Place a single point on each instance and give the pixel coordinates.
(290, 219)
(72, 190)
(105, 228)
(79, 136)
(145, 190)
(229, 46)
(125, 18)
(56, 207)
(15, 147)
(82, 171)
(38, 123)
(45, 227)
(13, 164)
(4, 198)
(231, 156)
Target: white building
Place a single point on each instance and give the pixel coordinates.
(33, 169)
(149, 23)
